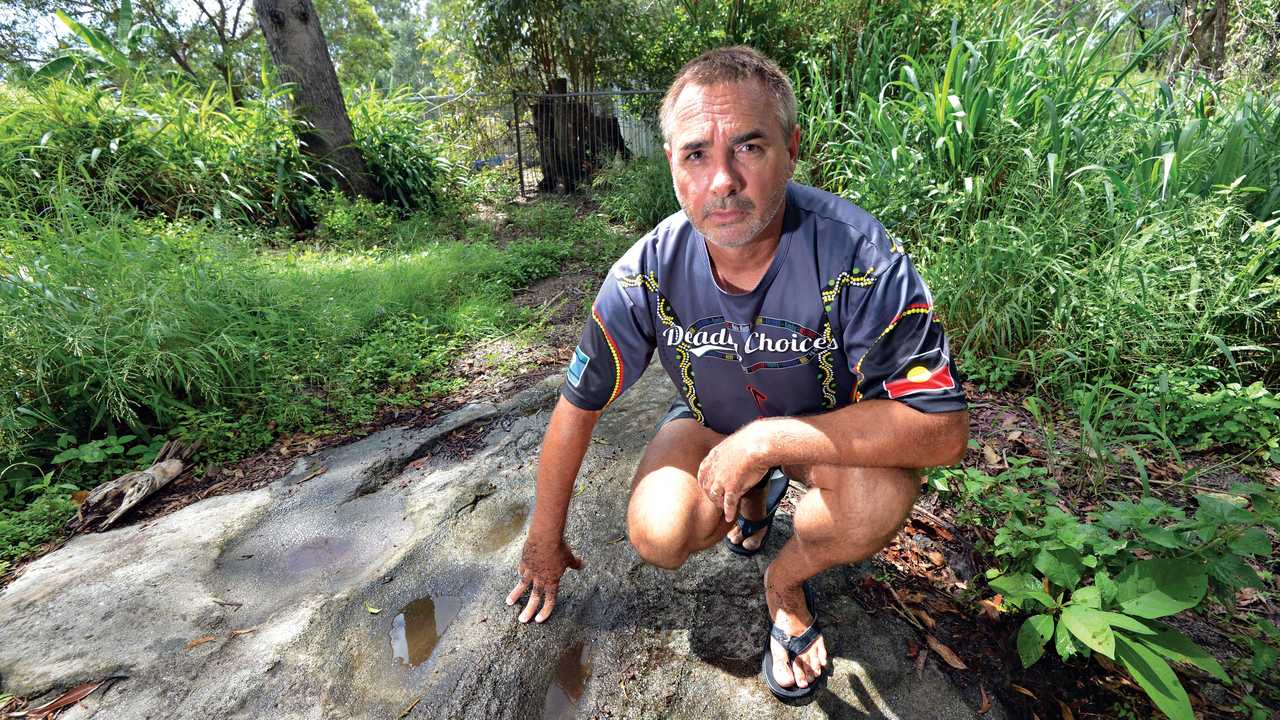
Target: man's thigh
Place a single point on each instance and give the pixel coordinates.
(667, 504)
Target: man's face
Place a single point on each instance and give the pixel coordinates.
(730, 160)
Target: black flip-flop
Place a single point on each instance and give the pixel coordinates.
(795, 646)
(777, 487)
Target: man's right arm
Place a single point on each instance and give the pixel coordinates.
(615, 347)
(546, 555)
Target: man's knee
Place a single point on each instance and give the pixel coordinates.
(856, 506)
(660, 521)
(658, 541)
(657, 550)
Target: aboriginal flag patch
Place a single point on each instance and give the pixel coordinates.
(578, 366)
(926, 372)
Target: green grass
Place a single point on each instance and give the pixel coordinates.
(1072, 215)
(637, 194)
(119, 326)
(164, 148)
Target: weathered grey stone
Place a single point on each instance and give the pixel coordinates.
(309, 557)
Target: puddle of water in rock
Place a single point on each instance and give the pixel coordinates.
(506, 530)
(567, 689)
(321, 552)
(419, 626)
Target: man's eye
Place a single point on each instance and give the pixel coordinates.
(695, 155)
(749, 148)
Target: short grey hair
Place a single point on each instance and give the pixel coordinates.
(732, 64)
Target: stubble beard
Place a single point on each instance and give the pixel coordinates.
(735, 236)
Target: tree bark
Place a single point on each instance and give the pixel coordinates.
(1206, 23)
(292, 31)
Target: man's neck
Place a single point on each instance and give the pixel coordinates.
(739, 269)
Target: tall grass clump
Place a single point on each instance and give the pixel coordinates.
(160, 149)
(165, 148)
(638, 194)
(402, 154)
(1074, 215)
(120, 331)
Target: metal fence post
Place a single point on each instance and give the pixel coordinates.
(515, 118)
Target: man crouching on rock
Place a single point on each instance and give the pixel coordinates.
(802, 343)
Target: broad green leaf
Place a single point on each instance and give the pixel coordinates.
(1161, 536)
(1035, 632)
(1253, 541)
(1088, 596)
(1102, 580)
(1063, 643)
(1179, 648)
(124, 23)
(1264, 657)
(1091, 628)
(1062, 566)
(1232, 572)
(1124, 622)
(57, 67)
(1019, 587)
(1156, 588)
(1155, 676)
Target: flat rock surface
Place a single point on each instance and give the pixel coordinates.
(370, 582)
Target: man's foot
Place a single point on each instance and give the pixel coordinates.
(787, 610)
(752, 508)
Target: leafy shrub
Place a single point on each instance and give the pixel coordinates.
(533, 260)
(1196, 409)
(1067, 212)
(350, 224)
(402, 362)
(1083, 586)
(638, 194)
(22, 530)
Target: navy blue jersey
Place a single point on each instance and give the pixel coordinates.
(840, 316)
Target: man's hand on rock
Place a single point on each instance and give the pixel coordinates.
(730, 470)
(541, 566)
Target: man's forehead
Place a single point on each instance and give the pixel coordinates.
(742, 102)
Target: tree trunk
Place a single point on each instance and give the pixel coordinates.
(1206, 24)
(292, 31)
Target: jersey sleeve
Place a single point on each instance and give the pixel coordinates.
(616, 344)
(895, 343)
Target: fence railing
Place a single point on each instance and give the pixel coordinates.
(556, 141)
(569, 136)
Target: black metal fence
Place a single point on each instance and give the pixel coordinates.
(563, 138)
(477, 127)
(552, 141)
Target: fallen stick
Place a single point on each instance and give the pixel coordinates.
(132, 488)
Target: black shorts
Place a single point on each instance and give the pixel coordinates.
(677, 410)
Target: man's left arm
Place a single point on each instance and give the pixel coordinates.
(872, 433)
(908, 406)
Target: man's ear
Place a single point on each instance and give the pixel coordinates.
(793, 146)
(666, 148)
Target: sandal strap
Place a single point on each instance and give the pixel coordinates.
(777, 487)
(798, 644)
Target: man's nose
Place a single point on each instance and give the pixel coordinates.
(725, 180)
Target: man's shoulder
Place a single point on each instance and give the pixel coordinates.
(659, 247)
(843, 229)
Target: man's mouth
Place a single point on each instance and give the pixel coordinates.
(724, 216)
(731, 211)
